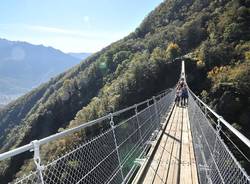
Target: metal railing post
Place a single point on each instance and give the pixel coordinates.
(156, 112)
(218, 128)
(116, 146)
(205, 110)
(137, 120)
(37, 160)
(151, 115)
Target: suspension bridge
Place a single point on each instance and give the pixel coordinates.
(154, 141)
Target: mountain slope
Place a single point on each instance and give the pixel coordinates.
(133, 69)
(24, 66)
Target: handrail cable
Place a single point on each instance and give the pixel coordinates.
(110, 156)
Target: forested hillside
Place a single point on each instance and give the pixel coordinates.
(215, 34)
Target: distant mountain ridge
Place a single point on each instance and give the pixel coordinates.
(135, 68)
(81, 55)
(24, 66)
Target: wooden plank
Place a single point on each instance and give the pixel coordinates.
(158, 157)
(174, 159)
(185, 170)
(192, 156)
(149, 178)
(145, 166)
(170, 146)
(172, 176)
(166, 155)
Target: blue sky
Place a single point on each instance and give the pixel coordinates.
(72, 25)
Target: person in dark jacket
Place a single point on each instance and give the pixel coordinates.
(184, 95)
(181, 83)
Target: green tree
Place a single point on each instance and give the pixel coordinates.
(173, 51)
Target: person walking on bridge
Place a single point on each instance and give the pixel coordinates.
(178, 95)
(181, 83)
(184, 95)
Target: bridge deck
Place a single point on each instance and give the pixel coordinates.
(173, 161)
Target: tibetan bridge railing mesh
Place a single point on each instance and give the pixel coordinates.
(215, 162)
(105, 150)
(105, 157)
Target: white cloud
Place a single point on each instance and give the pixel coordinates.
(86, 18)
(67, 40)
(70, 44)
(49, 29)
(77, 33)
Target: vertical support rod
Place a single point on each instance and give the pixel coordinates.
(205, 111)
(137, 120)
(37, 160)
(165, 104)
(116, 146)
(148, 102)
(156, 113)
(151, 115)
(218, 128)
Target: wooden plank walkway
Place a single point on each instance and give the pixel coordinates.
(173, 161)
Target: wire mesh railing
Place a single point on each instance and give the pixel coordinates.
(108, 155)
(105, 158)
(215, 162)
